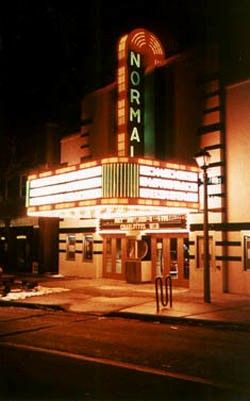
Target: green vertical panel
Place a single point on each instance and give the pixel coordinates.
(121, 179)
(133, 188)
(133, 180)
(130, 179)
(125, 179)
(27, 193)
(137, 180)
(103, 181)
(117, 179)
(111, 184)
(149, 116)
(113, 181)
(108, 181)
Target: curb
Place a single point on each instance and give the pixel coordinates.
(189, 321)
(32, 305)
(219, 324)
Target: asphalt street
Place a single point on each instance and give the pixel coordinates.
(45, 351)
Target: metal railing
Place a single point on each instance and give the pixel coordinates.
(161, 284)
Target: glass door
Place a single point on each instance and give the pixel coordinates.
(170, 256)
(114, 257)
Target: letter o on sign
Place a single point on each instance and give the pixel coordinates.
(135, 78)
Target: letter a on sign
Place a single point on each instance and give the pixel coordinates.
(135, 135)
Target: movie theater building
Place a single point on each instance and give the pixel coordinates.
(127, 181)
(127, 191)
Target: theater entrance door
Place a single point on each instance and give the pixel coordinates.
(170, 256)
(114, 254)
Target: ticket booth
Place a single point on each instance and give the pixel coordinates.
(127, 258)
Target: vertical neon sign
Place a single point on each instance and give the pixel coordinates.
(135, 125)
(137, 52)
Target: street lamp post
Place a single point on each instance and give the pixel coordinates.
(202, 159)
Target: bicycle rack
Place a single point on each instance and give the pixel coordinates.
(166, 297)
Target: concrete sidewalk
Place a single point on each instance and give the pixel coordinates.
(118, 298)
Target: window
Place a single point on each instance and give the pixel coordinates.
(70, 247)
(159, 257)
(137, 249)
(88, 248)
(173, 257)
(246, 252)
(118, 258)
(108, 255)
(131, 249)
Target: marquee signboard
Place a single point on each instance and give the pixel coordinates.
(78, 185)
(115, 185)
(145, 223)
(167, 183)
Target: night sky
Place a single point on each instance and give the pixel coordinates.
(52, 53)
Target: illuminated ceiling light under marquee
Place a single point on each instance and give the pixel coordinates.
(143, 44)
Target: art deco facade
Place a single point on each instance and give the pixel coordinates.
(127, 191)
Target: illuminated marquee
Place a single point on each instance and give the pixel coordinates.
(169, 184)
(113, 187)
(73, 186)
